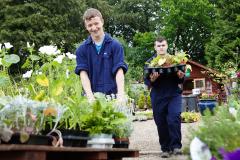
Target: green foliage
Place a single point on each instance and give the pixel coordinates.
(134, 90)
(169, 60)
(132, 16)
(144, 100)
(225, 43)
(138, 54)
(141, 101)
(41, 22)
(103, 118)
(72, 118)
(222, 129)
(187, 24)
(7, 59)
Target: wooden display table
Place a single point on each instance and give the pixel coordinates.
(40, 152)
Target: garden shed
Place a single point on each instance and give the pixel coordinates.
(204, 78)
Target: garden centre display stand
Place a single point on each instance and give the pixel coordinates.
(30, 152)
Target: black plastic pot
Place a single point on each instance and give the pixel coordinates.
(121, 143)
(75, 138)
(75, 141)
(15, 139)
(39, 140)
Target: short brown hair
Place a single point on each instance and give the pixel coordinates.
(91, 13)
(160, 39)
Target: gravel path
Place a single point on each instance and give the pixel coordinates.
(145, 138)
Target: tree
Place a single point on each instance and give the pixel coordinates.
(139, 53)
(225, 42)
(41, 22)
(188, 25)
(132, 16)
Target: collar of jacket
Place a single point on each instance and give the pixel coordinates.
(107, 38)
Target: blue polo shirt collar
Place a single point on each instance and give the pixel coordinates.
(107, 38)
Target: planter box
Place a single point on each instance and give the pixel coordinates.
(207, 103)
(164, 70)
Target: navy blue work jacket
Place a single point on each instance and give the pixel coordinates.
(102, 67)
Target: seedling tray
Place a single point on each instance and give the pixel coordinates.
(165, 70)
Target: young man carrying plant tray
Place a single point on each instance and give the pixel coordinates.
(166, 102)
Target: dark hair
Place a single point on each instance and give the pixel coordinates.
(91, 13)
(160, 39)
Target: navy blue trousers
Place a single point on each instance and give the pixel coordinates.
(167, 112)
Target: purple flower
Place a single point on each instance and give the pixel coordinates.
(234, 155)
(213, 158)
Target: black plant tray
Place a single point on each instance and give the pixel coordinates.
(33, 140)
(75, 138)
(75, 141)
(39, 140)
(164, 70)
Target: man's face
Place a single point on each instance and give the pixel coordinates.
(161, 47)
(95, 27)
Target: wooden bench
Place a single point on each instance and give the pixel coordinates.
(40, 152)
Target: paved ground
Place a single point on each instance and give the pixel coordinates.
(145, 138)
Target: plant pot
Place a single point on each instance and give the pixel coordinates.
(101, 141)
(15, 139)
(121, 143)
(39, 140)
(75, 138)
(203, 104)
(75, 141)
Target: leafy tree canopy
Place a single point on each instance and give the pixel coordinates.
(225, 42)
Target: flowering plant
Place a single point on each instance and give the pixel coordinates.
(6, 60)
(51, 76)
(208, 96)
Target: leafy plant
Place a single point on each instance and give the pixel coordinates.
(144, 100)
(103, 118)
(25, 116)
(123, 130)
(190, 117)
(213, 130)
(7, 85)
(168, 60)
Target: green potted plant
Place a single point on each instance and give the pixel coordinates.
(70, 124)
(101, 122)
(121, 135)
